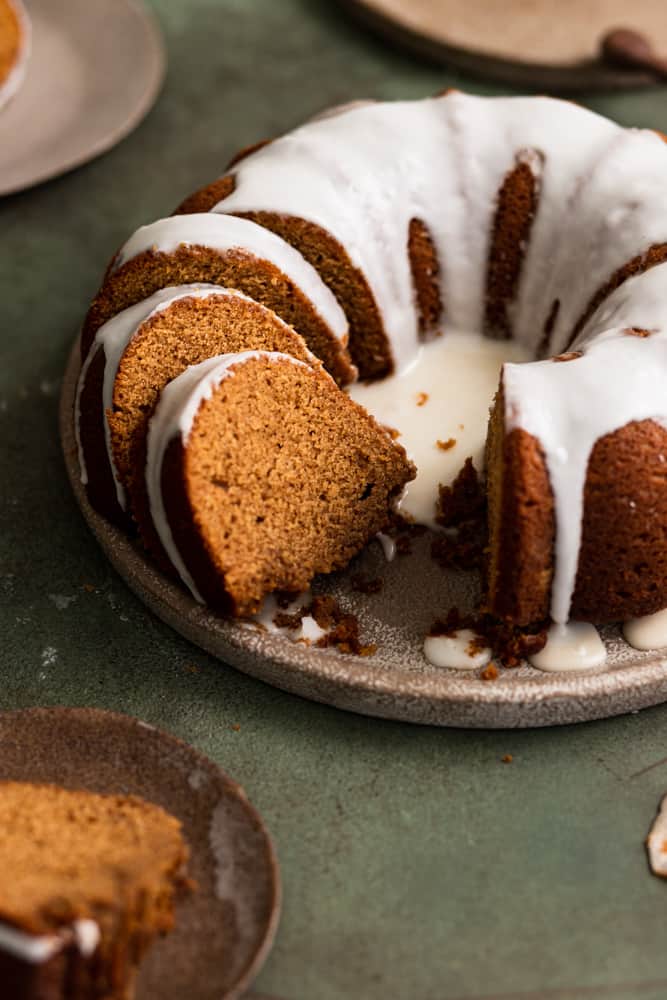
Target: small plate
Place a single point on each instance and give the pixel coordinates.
(94, 72)
(397, 682)
(225, 930)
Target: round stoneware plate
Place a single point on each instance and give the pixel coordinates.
(397, 682)
(529, 43)
(95, 70)
(225, 930)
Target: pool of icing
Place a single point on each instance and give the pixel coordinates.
(439, 403)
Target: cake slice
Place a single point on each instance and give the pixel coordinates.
(88, 882)
(133, 357)
(235, 253)
(262, 473)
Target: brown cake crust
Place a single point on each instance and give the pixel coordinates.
(151, 270)
(425, 270)
(520, 522)
(368, 345)
(622, 570)
(189, 331)
(314, 481)
(101, 486)
(515, 211)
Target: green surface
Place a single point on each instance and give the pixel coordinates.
(416, 864)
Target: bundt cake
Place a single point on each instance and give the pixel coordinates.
(14, 47)
(262, 473)
(88, 882)
(523, 219)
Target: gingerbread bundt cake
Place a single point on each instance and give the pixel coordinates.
(88, 882)
(14, 47)
(527, 219)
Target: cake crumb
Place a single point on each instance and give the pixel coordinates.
(191, 668)
(507, 759)
(509, 644)
(236, 727)
(490, 672)
(446, 445)
(88, 587)
(365, 585)
(422, 398)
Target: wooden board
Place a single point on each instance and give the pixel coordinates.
(532, 43)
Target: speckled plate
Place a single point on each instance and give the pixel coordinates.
(225, 930)
(397, 682)
(95, 70)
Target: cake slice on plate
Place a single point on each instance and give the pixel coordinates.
(88, 882)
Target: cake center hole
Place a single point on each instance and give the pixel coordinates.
(439, 405)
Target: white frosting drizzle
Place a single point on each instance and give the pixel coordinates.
(568, 406)
(36, 949)
(230, 233)
(656, 842)
(441, 160)
(174, 416)
(575, 646)
(388, 545)
(459, 651)
(648, 632)
(424, 410)
(113, 337)
(16, 75)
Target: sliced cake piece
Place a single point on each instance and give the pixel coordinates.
(88, 882)
(262, 473)
(133, 357)
(233, 252)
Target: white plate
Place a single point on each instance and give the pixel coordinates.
(95, 70)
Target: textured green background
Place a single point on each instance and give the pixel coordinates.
(416, 864)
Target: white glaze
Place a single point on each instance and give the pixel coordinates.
(225, 232)
(36, 949)
(174, 417)
(458, 651)
(16, 75)
(451, 152)
(568, 406)
(648, 632)
(113, 337)
(656, 842)
(459, 374)
(388, 545)
(31, 948)
(572, 647)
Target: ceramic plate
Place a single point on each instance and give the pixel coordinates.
(397, 682)
(535, 44)
(95, 70)
(224, 931)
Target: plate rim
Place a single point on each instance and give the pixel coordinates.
(554, 699)
(156, 69)
(103, 715)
